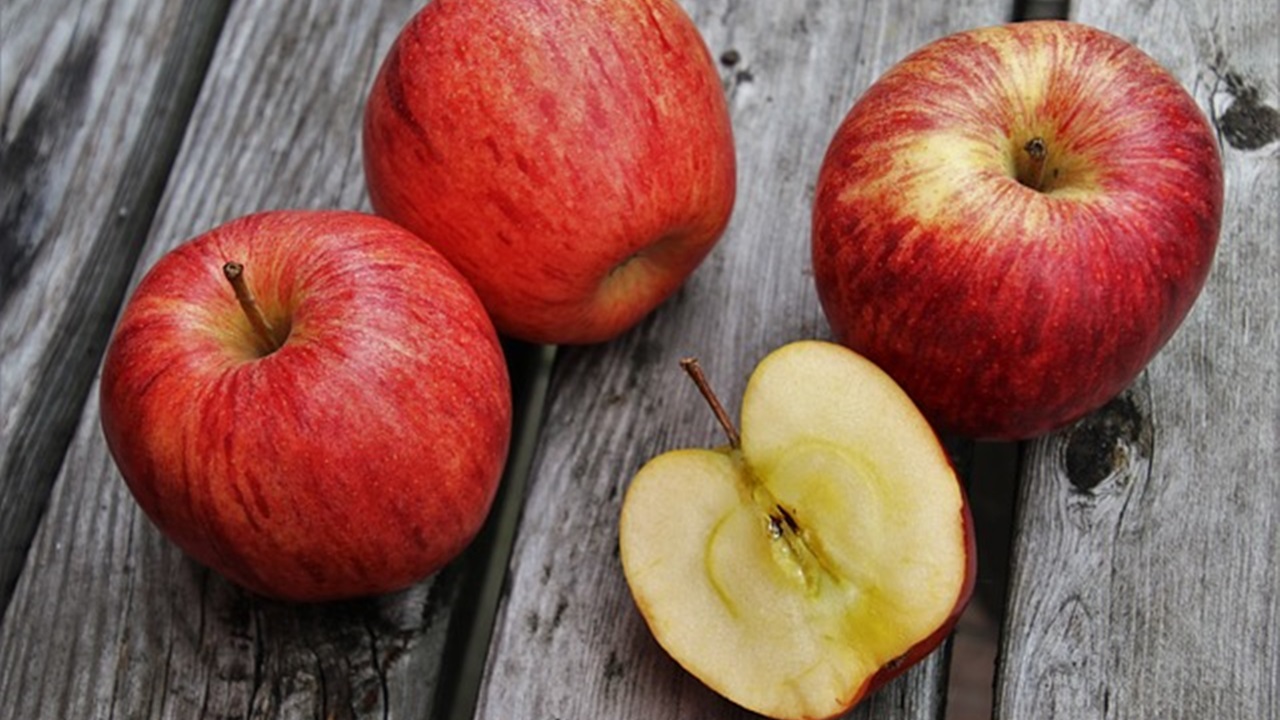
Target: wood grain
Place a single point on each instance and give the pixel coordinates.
(84, 168)
(1144, 580)
(568, 641)
(108, 619)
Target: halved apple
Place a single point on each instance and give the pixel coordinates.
(816, 557)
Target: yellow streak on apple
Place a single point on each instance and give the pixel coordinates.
(922, 167)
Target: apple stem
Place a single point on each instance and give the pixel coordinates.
(234, 272)
(694, 369)
(1038, 149)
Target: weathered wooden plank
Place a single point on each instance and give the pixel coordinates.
(110, 620)
(83, 169)
(568, 641)
(1144, 580)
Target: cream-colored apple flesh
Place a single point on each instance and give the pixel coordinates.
(785, 574)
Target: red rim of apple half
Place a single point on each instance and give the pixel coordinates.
(816, 557)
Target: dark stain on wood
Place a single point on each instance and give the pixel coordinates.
(613, 667)
(562, 605)
(1102, 444)
(1247, 123)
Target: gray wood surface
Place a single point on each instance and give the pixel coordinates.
(569, 642)
(95, 99)
(1144, 581)
(109, 620)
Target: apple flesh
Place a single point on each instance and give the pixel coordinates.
(337, 431)
(814, 559)
(1013, 220)
(573, 160)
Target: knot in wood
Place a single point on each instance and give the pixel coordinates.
(1103, 443)
(1247, 123)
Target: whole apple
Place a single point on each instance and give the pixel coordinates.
(1013, 220)
(574, 160)
(312, 403)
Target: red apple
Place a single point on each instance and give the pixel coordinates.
(1013, 220)
(574, 160)
(339, 431)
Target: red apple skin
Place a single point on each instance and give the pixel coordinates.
(574, 160)
(1006, 312)
(359, 457)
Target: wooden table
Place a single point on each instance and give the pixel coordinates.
(1143, 574)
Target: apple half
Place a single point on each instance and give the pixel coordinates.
(817, 556)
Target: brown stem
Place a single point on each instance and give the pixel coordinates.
(1038, 149)
(694, 370)
(235, 275)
